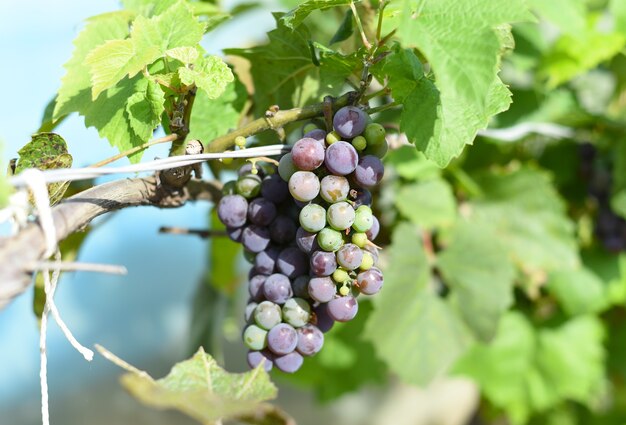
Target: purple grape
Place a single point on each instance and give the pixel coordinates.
(283, 230)
(282, 339)
(255, 287)
(310, 340)
(369, 171)
(372, 233)
(306, 240)
(256, 357)
(277, 288)
(343, 309)
(361, 197)
(317, 134)
(349, 256)
(323, 321)
(322, 289)
(349, 121)
(255, 238)
(304, 186)
(307, 154)
(341, 159)
(370, 282)
(289, 363)
(334, 188)
(274, 189)
(323, 263)
(261, 212)
(292, 262)
(232, 210)
(234, 233)
(300, 287)
(265, 261)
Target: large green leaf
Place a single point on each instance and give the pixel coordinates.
(480, 275)
(144, 109)
(296, 16)
(415, 332)
(428, 204)
(210, 74)
(568, 15)
(201, 389)
(579, 291)
(524, 372)
(150, 39)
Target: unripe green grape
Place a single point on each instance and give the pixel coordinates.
(367, 262)
(329, 239)
(344, 290)
(248, 186)
(240, 141)
(296, 312)
(332, 137)
(312, 218)
(229, 188)
(255, 338)
(340, 275)
(363, 219)
(359, 239)
(227, 161)
(374, 134)
(359, 143)
(267, 315)
(308, 127)
(340, 216)
(377, 150)
(285, 167)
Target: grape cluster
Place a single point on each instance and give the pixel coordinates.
(307, 228)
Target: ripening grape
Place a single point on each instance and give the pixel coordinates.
(349, 121)
(334, 188)
(313, 218)
(341, 158)
(323, 263)
(362, 197)
(248, 186)
(363, 219)
(343, 309)
(317, 134)
(369, 171)
(255, 358)
(370, 282)
(307, 154)
(349, 256)
(286, 167)
(304, 186)
(322, 289)
(255, 238)
(267, 315)
(340, 216)
(277, 288)
(373, 231)
(310, 340)
(282, 339)
(255, 338)
(289, 363)
(296, 312)
(232, 210)
(329, 239)
(261, 211)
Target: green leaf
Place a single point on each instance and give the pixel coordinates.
(568, 15)
(411, 164)
(46, 151)
(345, 364)
(296, 16)
(150, 39)
(75, 92)
(345, 30)
(199, 388)
(618, 9)
(528, 217)
(524, 372)
(415, 332)
(186, 55)
(148, 8)
(144, 109)
(209, 74)
(578, 291)
(480, 275)
(211, 118)
(48, 123)
(428, 204)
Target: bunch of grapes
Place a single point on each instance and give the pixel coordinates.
(308, 229)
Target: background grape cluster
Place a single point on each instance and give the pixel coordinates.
(307, 228)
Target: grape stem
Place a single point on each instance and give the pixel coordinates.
(366, 42)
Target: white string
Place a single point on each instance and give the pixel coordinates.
(72, 174)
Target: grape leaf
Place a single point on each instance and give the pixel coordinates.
(480, 275)
(214, 117)
(579, 291)
(428, 204)
(75, 94)
(186, 55)
(528, 216)
(144, 109)
(199, 388)
(524, 372)
(414, 331)
(46, 151)
(296, 16)
(148, 8)
(345, 30)
(346, 362)
(150, 39)
(209, 74)
(568, 15)
(411, 164)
